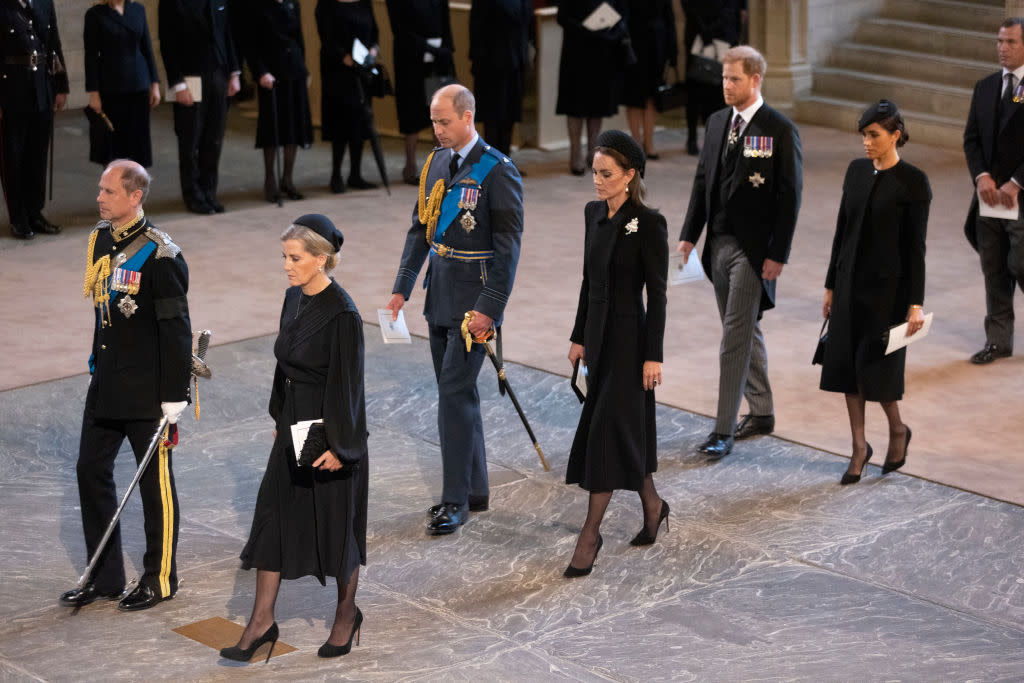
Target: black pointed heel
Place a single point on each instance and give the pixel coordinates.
(888, 467)
(327, 650)
(572, 572)
(237, 654)
(854, 478)
(644, 538)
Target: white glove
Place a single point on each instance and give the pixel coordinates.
(172, 411)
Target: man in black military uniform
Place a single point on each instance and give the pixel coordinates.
(196, 40)
(470, 228)
(140, 368)
(33, 83)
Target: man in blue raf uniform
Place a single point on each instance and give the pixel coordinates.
(470, 226)
(141, 363)
(33, 83)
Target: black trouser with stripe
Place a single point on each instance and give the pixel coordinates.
(101, 440)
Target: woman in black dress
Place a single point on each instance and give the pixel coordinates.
(652, 30)
(346, 107)
(590, 73)
(277, 58)
(311, 520)
(875, 280)
(626, 253)
(708, 20)
(121, 79)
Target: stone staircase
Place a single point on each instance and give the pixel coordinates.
(925, 55)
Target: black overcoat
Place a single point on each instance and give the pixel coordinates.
(344, 102)
(23, 31)
(118, 52)
(876, 271)
(413, 22)
(592, 63)
(499, 38)
(652, 28)
(616, 441)
(311, 522)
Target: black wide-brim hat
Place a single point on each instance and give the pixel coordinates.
(322, 225)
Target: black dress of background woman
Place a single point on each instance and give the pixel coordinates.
(122, 81)
(346, 108)
(652, 30)
(277, 58)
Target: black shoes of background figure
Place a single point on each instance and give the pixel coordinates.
(200, 207)
(215, 205)
(40, 224)
(989, 354)
(717, 445)
(142, 597)
(80, 597)
(22, 232)
(449, 517)
(360, 184)
(476, 504)
(754, 425)
(291, 193)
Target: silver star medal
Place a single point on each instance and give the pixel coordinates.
(756, 180)
(127, 306)
(468, 222)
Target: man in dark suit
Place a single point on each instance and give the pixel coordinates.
(470, 227)
(140, 365)
(747, 190)
(34, 85)
(195, 40)
(994, 146)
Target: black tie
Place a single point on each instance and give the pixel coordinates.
(453, 165)
(1006, 102)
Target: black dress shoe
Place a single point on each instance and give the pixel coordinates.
(989, 354)
(291, 193)
(40, 224)
(143, 597)
(476, 504)
(80, 597)
(22, 232)
(754, 425)
(717, 445)
(200, 207)
(337, 184)
(448, 519)
(215, 205)
(358, 183)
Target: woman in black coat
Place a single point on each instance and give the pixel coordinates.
(626, 253)
(277, 58)
(346, 107)
(590, 73)
(414, 23)
(875, 280)
(652, 30)
(709, 20)
(310, 519)
(121, 79)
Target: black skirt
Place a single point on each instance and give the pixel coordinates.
(129, 114)
(294, 122)
(499, 95)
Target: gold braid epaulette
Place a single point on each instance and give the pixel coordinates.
(97, 278)
(430, 211)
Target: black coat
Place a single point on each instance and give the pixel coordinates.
(616, 441)
(145, 359)
(876, 271)
(118, 52)
(592, 63)
(195, 38)
(346, 111)
(762, 208)
(274, 44)
(990, 147)
(652, 29)
(499, 35)
(312, 522)
(23, 89)
(412, 23)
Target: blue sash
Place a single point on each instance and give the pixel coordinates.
(450, 206)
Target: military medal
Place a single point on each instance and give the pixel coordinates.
(127, 306)
(469, 197)
(126, 281)
(757, 146)
(757, 180)
(733, 137)
(1018, 93)
(468, 222)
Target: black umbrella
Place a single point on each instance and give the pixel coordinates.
(374, 82)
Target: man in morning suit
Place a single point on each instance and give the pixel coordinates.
(33, 84)
(140, 366)
(994, 145)
(196, 40)
(747, 190)
(470, 227)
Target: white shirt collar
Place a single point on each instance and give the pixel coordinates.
(464, 151)
(1018, 73)
(749, 112)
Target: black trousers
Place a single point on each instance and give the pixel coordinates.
(101, 440)
(26, 141)
(200, 131)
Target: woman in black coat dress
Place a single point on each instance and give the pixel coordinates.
(413, 23)
(626, 253)
(277, 58)
(875, 280)
(310, 520)
(346, 107)
(652, 30)
(121, 79)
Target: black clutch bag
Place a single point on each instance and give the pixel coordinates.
(314, 446)
(703, 70)
(819, 352)
(670, 96)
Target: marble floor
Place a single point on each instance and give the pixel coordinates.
(771, 570)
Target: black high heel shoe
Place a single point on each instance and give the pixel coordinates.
(849, 478)
(328, 650)
(643, 538)
(888, 467)
(237, 654)
(572, 572)
(290, 192)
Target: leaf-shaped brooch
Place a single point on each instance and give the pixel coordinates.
(632, 226)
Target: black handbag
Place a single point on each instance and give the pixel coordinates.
(703, 70)
(819, 352)
(376, 82)
(670, 96)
